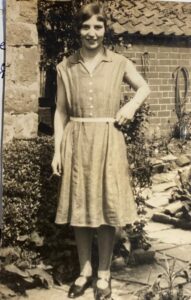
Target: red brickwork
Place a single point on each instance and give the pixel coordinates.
(163, 60)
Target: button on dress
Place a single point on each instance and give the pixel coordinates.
(95, 186)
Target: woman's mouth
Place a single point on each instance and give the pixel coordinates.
(92, 41)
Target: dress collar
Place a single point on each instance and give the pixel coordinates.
(76, 57)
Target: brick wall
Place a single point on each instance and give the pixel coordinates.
(163, 60)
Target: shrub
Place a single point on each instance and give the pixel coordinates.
(29, 200)
(138, 148)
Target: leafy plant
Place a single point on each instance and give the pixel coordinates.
(169, 276)
(182, 129)
(27, 192)
(138, 148)
(31, 240)
(137, 235)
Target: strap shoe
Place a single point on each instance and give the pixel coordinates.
(78, 290)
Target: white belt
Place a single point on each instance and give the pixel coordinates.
(92, 120)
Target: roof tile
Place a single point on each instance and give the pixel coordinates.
(137, 13)
(136, 21)
(140, 5)
(123, 20)
(130, 28)
(117, 28)
(179, 23)
(148, 16)
(148, 13)
(125, 3)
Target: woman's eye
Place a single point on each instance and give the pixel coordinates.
(97, 27)
(85, 27)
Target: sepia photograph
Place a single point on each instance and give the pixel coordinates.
(95, 150)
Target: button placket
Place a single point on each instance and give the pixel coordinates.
(90, 94)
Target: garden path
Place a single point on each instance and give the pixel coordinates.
(129, 282)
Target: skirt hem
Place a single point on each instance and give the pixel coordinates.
(95, 225)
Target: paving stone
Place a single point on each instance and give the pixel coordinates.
(164, 177)
(162, 187)
(155, 161)
(187, 289)
(127, 288)
(158, 269)
(123, 291)
(157, 246)
(124, 297)
(169, 157)
(160, 257)
(159, 199)
(185, 174)
(155, 271)
(172, 236)
(59, 293)
(182, 253)
(182, 161)
(152, 227)
(137, 274)
(173, 208)
(146, 193)
(6, 292)
(120, 291)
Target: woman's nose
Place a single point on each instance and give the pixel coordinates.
(91, 32)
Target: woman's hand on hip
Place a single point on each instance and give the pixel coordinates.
(125, 114)
(56, 164)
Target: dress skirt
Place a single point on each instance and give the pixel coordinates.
(95, 186)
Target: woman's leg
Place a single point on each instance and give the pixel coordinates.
(106, 239)
(84, 237)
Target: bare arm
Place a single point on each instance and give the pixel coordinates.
(142, 89)
(60, 120)
(61, 116)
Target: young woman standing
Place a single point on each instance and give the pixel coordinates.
(90, 152)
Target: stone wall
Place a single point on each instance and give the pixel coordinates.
(22, 82)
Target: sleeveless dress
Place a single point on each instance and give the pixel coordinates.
(95, 186)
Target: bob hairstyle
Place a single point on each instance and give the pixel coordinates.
(86, 12)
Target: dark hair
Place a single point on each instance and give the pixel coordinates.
(87, 11)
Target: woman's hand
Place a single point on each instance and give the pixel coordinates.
(126, 114)
(56, 164)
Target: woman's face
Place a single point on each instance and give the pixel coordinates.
(92, 33)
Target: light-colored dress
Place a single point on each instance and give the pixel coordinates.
(95, 187)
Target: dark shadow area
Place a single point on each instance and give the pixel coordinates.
(57, 39)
